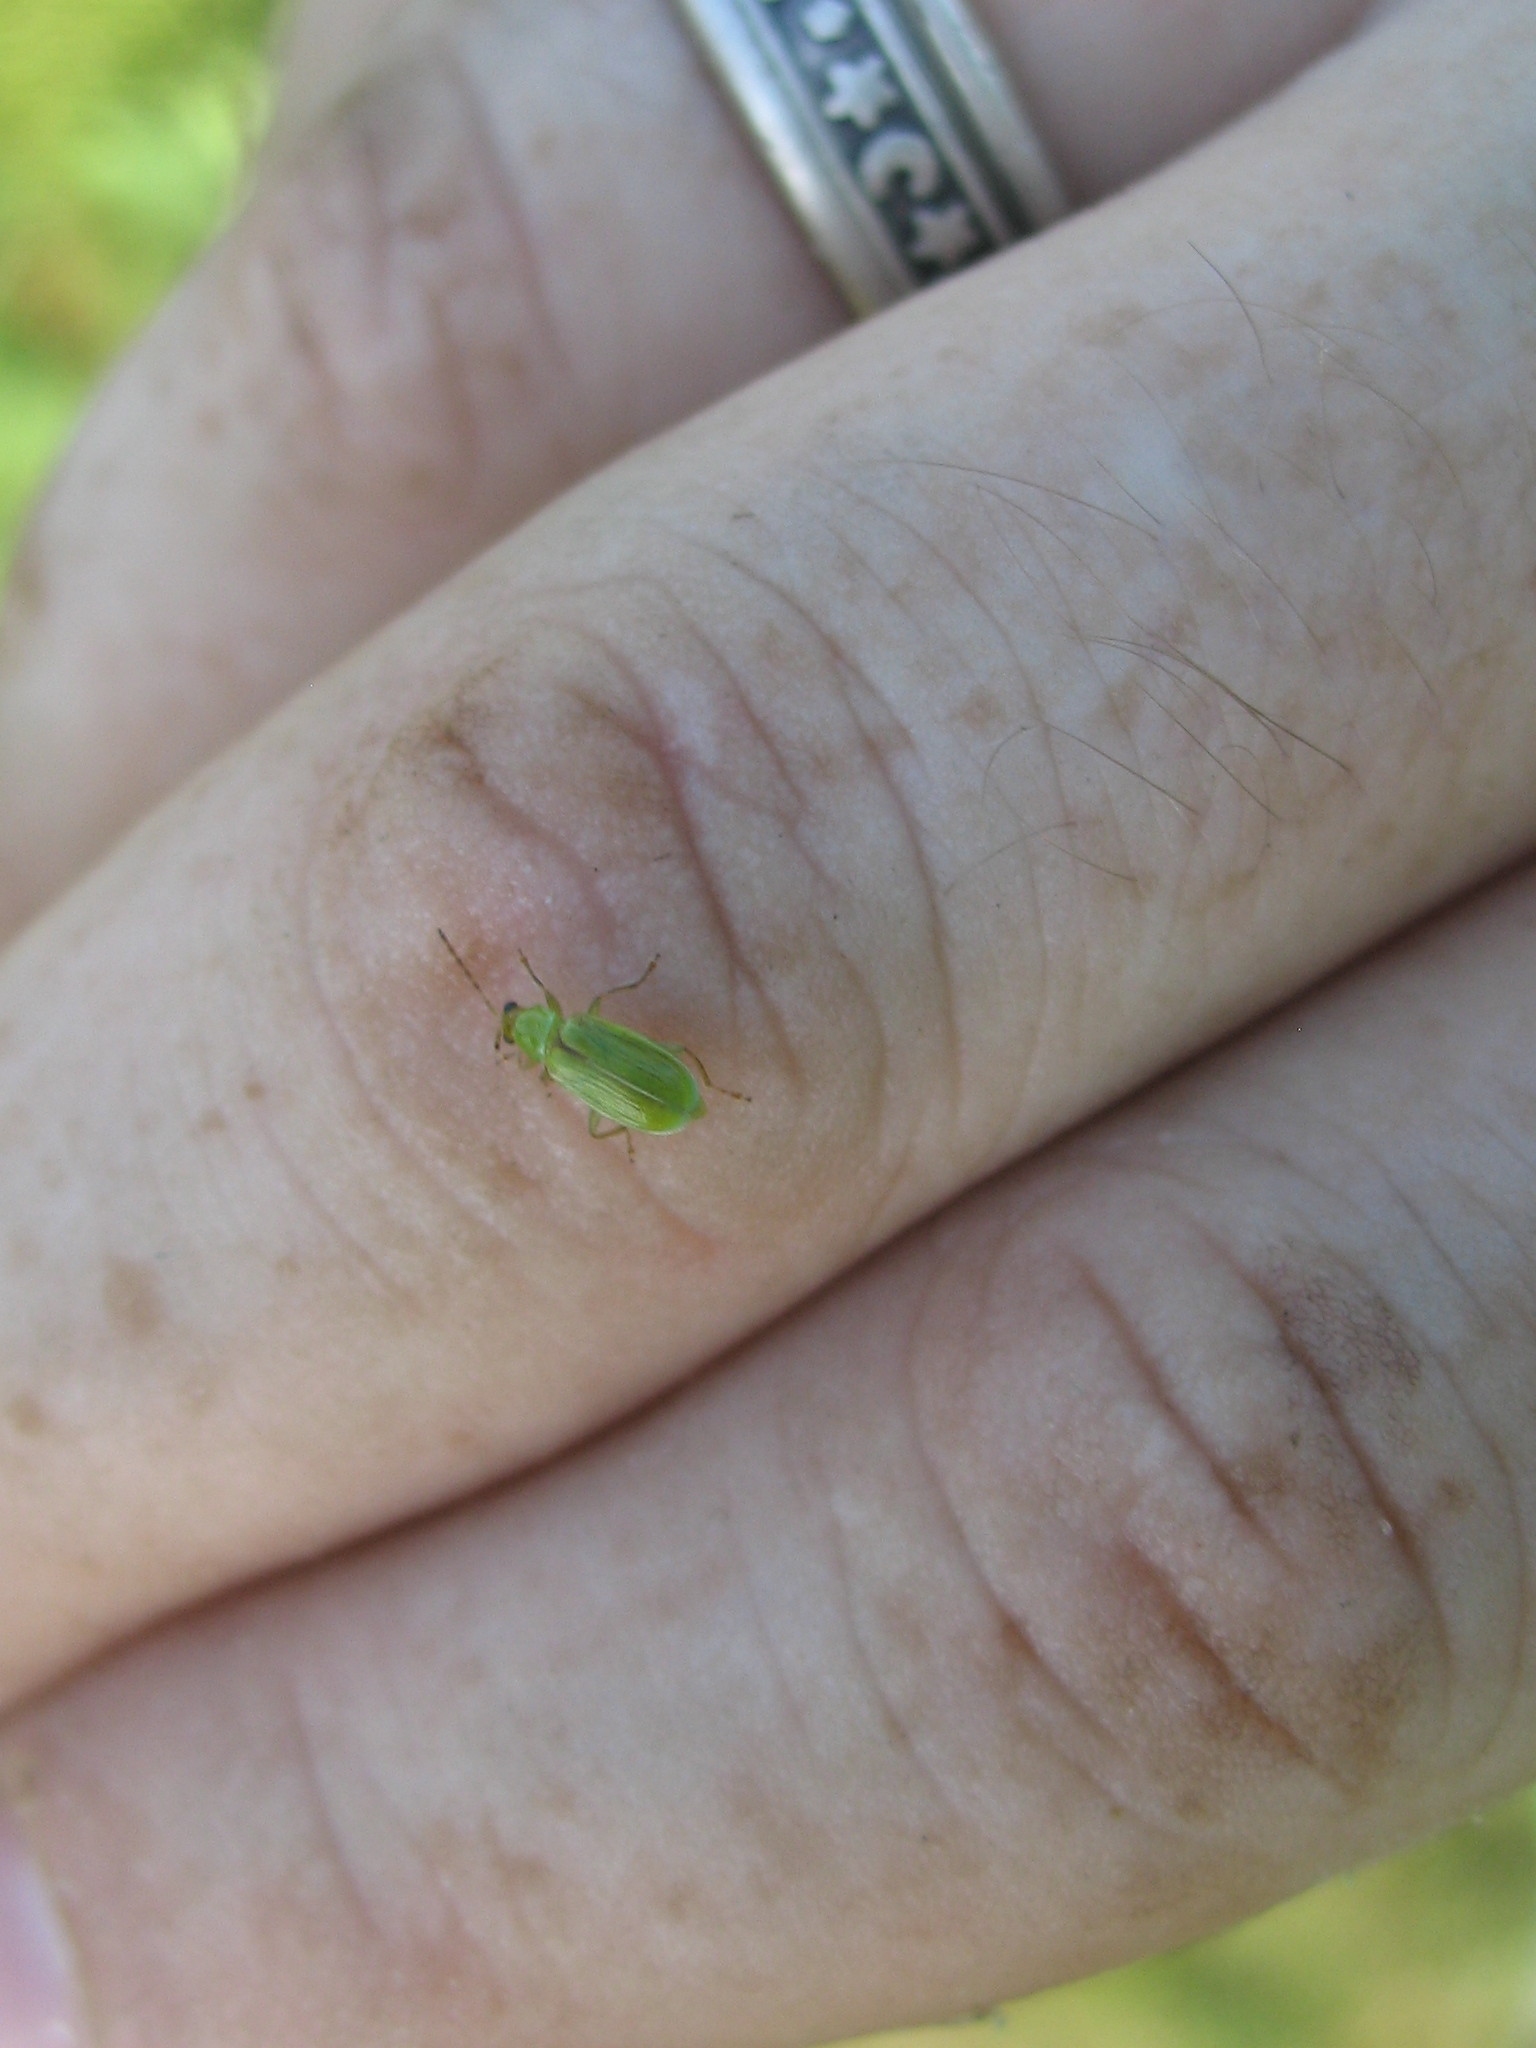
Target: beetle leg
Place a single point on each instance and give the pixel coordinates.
(685, 1052)
(612, 1132)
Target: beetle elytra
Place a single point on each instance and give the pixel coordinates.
(636, 1083)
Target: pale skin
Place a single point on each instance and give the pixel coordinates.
(983, 717)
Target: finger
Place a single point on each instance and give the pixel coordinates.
(1146, 1538)
(492, 249)
(955, 798)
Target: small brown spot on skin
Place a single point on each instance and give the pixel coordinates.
(130, 1294)
(211, 1122)
(680, 1902)
(1261, 1478)
(1349, 1332)
(255, 1090)
(1453, 1496)
(26, 1415)
(982, 712)
(526, 1873)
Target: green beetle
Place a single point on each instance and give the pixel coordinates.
(637, 1083)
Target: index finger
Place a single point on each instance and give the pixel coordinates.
(976, 718)
(479, 261)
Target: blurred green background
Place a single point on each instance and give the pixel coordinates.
(124, 129)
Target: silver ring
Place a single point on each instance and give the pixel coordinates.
(890, 128)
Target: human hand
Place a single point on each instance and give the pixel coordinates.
(979, 717)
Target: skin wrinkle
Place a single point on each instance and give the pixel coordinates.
(663, 747)
(376, 1101)
(647, 740)
(1066, 823)
(1483, 1437)
(1397, 1193)
(845, 674)
(795, 1711)
(1012, 1620)
(391, 243)
(892, 1720)
(298, 1184)
(1175, 1616)
(1067, 613)
(1143, 1358)
(505, 187)
(1395, 1525)
(311, 1779)
(355, 164)
(938, 925)
(1402, 1527)
(743, 702)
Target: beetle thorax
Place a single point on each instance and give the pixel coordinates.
(533, 1030)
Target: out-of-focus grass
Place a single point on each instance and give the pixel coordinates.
(124, 125)
(1436, 1949)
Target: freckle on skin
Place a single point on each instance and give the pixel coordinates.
(130, 1294)
(1453, 1496)
(982, 712)
(211, 1122)
(26, 1415)
(255, 1090)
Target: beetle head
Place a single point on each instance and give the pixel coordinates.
(532, 1028)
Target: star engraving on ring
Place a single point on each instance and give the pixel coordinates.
(944, 235)
(862, 92)
(826, 21)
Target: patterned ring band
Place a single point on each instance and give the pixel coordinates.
(890, 128)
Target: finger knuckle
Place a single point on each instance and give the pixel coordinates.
(592, 786)
(389, 261)
(1224, 1501)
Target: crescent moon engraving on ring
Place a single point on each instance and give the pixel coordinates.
(900, 153)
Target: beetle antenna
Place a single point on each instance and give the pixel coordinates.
(459, 963)
(534, 978)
